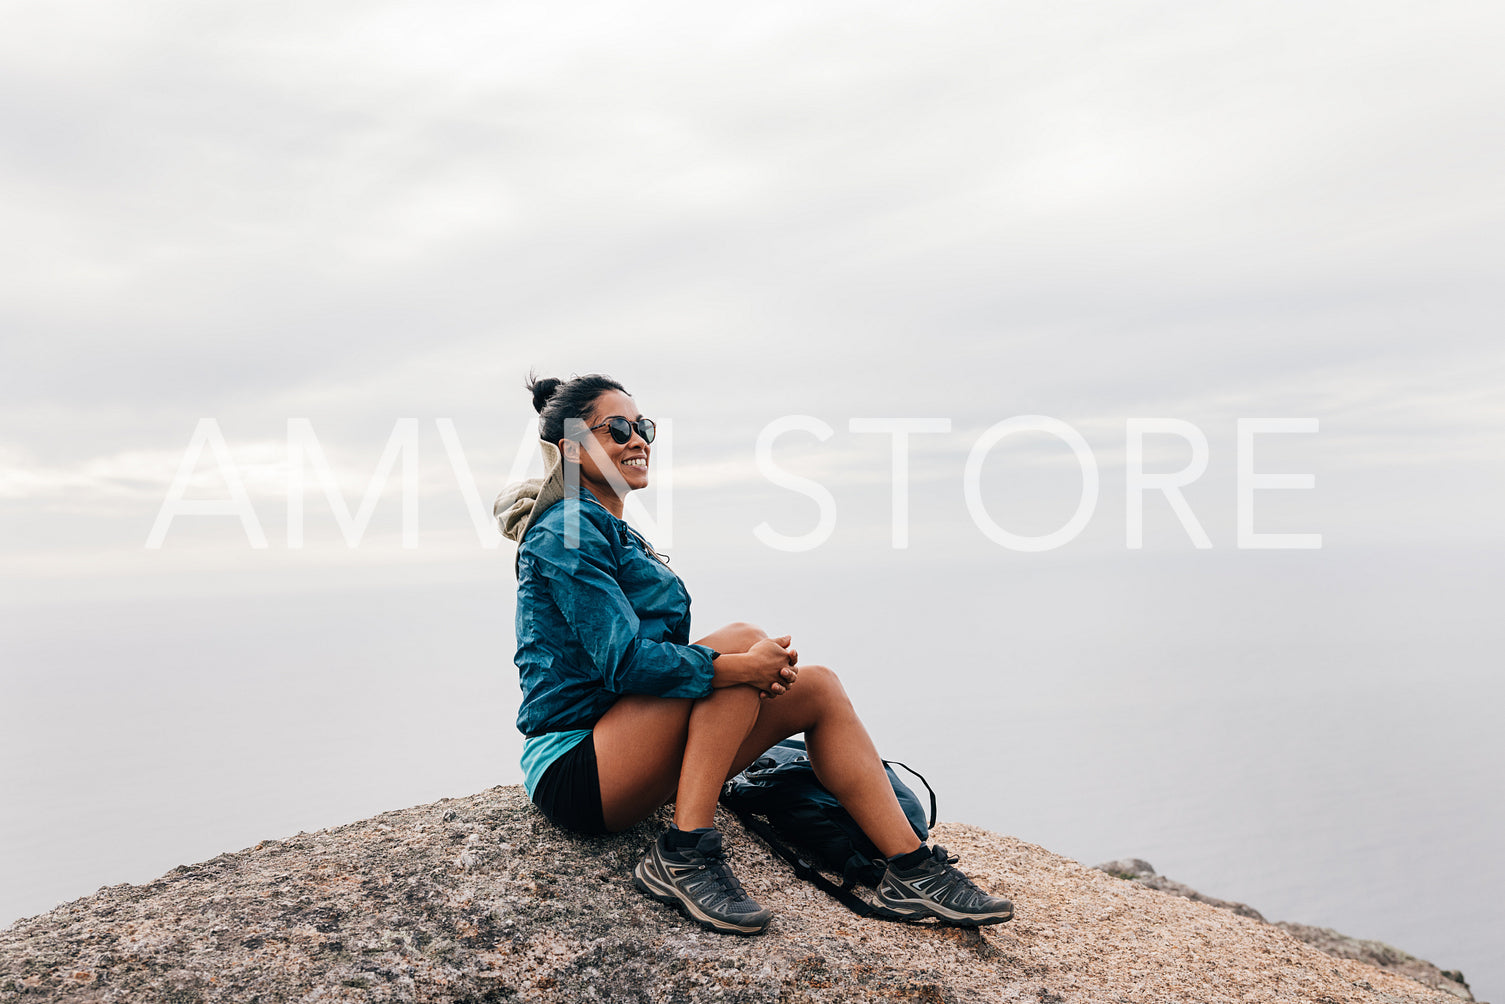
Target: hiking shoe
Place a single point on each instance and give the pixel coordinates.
(934, 888)
(698, 881)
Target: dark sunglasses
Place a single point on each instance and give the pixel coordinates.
(621, 429)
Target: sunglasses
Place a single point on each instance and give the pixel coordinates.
(621, 429)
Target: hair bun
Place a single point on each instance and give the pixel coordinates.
(542, 391)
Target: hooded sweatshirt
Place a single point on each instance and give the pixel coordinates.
(599, 615)
(518, 504)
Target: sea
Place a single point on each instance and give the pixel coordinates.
(1313, 733)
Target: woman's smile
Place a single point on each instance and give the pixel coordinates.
(636, 467)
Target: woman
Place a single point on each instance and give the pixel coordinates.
(623, 714)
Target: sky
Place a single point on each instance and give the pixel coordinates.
(369, 222)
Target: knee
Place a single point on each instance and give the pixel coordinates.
(729, 698)
(745, 635)
(821, 683)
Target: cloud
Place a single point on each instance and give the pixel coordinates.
(356, 213)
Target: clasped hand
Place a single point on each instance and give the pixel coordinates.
(773, 663)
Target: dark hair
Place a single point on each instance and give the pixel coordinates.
(556, 400)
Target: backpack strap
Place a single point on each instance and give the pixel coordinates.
(896, 763)
(803, 868)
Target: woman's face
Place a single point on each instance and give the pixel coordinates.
(627, 462)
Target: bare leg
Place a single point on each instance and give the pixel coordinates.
(640, 745)
(719, 726)
(650, 750)
(841, 752)
(737, 637)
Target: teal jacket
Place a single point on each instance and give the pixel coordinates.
(598, 620)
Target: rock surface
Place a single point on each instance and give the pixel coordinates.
(1141, 871)
(480, 899)
(1376, 953)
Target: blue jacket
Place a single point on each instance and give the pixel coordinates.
(597, 621)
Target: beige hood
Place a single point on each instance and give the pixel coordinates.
(519, 505)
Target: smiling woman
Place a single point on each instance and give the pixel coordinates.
(622, 713)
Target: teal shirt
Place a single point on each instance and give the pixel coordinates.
(541, 751)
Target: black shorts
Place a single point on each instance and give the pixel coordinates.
(569, 792)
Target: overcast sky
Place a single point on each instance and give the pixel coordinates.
(357, 213)
(360, 213)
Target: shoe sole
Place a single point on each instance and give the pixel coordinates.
(928, 911)
(665, 893)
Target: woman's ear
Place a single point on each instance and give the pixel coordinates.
(570, 450)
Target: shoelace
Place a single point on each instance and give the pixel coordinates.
(948, 862)
(722, 873)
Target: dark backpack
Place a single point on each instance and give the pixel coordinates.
(780, 787)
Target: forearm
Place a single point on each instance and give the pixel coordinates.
(729, 669)
(769, 667)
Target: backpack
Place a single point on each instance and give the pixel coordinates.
(780, 786)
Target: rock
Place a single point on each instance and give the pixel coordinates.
(1375, 953)
(1141, 871)
(385, 910)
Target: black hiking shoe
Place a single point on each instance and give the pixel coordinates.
(698, 881)
(934, 888)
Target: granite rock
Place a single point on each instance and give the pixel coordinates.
(480, 899)
(1376, 953)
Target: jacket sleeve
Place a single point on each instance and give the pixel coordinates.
(582, 582)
